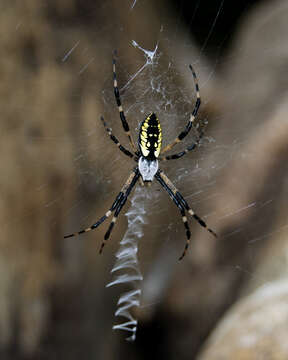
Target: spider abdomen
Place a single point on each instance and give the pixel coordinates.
(150, 137)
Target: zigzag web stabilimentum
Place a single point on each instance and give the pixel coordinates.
(127, 262)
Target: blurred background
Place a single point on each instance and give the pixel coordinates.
(60, 172)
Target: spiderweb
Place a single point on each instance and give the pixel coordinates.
(153, 87)
(153, 83)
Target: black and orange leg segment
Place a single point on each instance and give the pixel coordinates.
(115, 140)
(180, 207)
(114, 207)
(126, 190)
(119, 104)
(178, 198)
(101, 220)
(184, 152)
(195, 216)
(193, 115)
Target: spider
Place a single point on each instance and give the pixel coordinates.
(148, 156)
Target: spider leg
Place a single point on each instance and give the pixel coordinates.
(116, 202)
(196, 217)
(184, 152)
(181, 208)
(184, 202)
(193, 115)
(115, 140)
(162, 178)
(130, 183)
(120, 108)
(141, 181)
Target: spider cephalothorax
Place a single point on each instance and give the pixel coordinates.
(147, 157)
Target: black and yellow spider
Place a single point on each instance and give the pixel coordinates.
(147, 157)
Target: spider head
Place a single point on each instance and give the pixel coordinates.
(147, 168)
